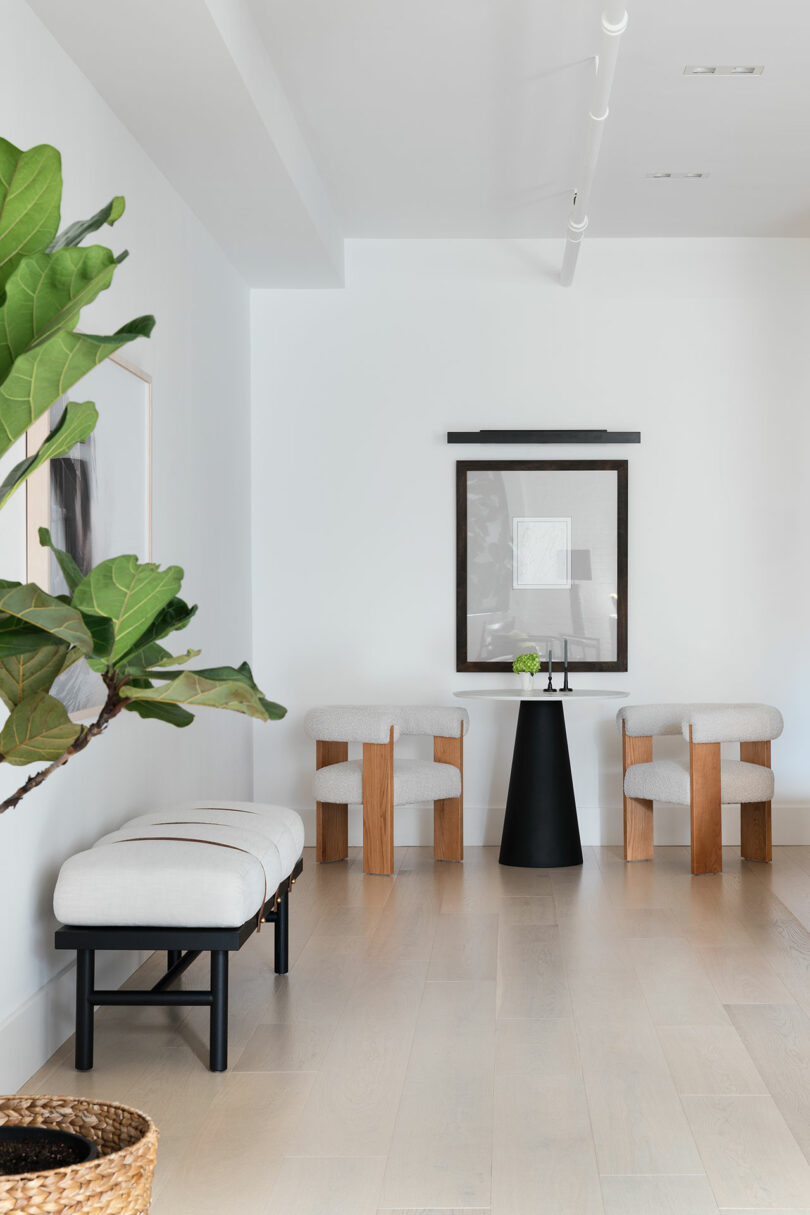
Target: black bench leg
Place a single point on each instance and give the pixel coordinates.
(282, 949)
(219, 1010)
(85, 981)
(173, 956)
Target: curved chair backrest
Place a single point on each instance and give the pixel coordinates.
(374, 723)
(644, 721)
(732, 723)
(437, 721)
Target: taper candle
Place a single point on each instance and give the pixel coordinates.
(565, 653)
(549, 664)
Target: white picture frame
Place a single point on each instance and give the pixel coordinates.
(541, 553)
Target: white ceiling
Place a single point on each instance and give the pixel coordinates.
(450, 118)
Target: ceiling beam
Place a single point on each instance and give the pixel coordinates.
(193, 82)
(243, 40)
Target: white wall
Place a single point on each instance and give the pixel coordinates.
(199, 358)
(701, 345)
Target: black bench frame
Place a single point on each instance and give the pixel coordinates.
(183, 946)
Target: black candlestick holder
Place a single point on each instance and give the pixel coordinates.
(549, 686)
(565, 687)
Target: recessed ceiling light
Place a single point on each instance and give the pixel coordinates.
(680, 176)
(726, 69)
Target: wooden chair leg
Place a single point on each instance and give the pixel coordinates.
(705, 807)
(378, 807)
(755, 817)
(332, 818)
(332, 834)
(638, 812)
(638, 829)
(448, 812)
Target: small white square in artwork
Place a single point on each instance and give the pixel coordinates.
(541, 554)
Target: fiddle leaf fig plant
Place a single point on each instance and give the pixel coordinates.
(117, 613)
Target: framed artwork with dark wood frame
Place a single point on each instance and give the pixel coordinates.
(541, 563)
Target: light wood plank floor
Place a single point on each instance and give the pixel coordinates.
(611, 1040)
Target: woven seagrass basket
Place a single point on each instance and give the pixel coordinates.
(118, 1182)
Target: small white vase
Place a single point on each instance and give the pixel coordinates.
(526, 681)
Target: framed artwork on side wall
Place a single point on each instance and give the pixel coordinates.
(96, 500)
(541, 561)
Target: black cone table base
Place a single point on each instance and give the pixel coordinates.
(540, 830)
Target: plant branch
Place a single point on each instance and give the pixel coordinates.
(112, 707)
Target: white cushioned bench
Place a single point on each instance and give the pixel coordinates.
(195, 878)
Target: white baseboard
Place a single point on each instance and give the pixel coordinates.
(30, 1035)
(413, 825)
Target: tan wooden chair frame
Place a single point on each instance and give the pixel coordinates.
(705, 807)
(332, 828)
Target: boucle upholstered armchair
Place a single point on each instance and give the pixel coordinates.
(705, 782)
(380, 781)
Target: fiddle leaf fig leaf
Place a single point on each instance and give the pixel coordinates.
(31, 607)
(102, 631)
(274, 711)
(74, 234)
(174, 617)
(173, 714)
(37, 729)
(178, 658)
(243, 674)
(192, 688)
(30, 198)
(141, 660)
(152, 658)
(129, 594)
(42, 375)
(45, 295)
(19, 638)
(76, 423)
(23, 674)
(70, 570)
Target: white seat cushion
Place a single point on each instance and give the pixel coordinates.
(188, 879)
(415, 780)
(667, 780)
